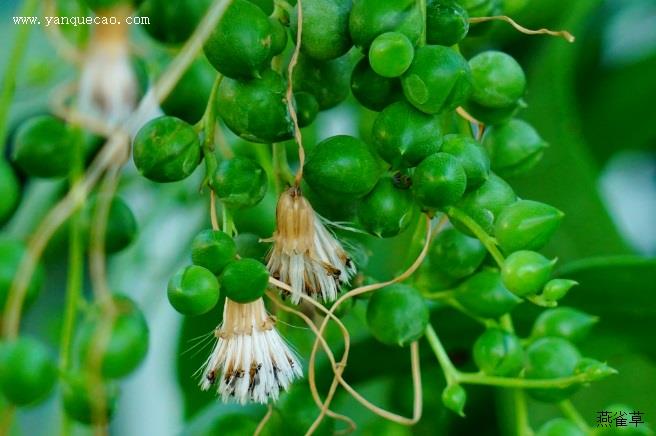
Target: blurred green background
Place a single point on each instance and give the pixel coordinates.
(593, 101)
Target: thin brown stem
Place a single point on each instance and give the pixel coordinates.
(561, 33)
(290, 95)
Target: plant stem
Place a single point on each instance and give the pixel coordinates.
(570, 412)
(478, 231)
(6, 418)
(522, 424)
(422, 9)
(525, 383)
(450, 372)
(13, 64)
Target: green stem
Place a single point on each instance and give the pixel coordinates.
(13, 64)
(570, 412)
(422, 9)
(450, 372)
(487, 240)
(522, 383)
(439, 295)
(522, 424)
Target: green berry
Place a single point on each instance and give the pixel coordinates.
(564, 322)
(485, 203)
(404, 136)
(266, 6)
(193, 290)
(390, 54)
(327, 81)
(213, 249)
(370, 18)
(9, 191)
(173, 21)
(325, 33)
(342, 165)
(555, 289)
(244, 280)
(447, 23)
(189, 97)
(549, 358)
(397, 315)
(239, 182)
(559, 427)
(497, 352)
(255, 109)
(454, 398)
(526, 272)
(484, 295)
(307, 108)
(386, 211)
(438, 181)
(456, 255)
(472, 157)
(11, 256)
(166, 149)
(526, 225)
(492, 116)
(128, 339)
(278, 36)
(240, 45)
(121, 227)
(372, 90)
(514, 147)
(498, 80)
(44, 147)
(28, 371)
(85, 398)
(438, 79)
(249, 245)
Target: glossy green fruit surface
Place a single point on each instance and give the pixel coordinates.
(397, 315)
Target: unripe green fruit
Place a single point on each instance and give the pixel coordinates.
(255, 109)
(514, 147)
(386, 211)
(438, 181)
(325, 33)
(472, 157)
(166, 149)
(498, 80)
(213, 249)
(244, 280)
(593, 369)
(44, 147)
(485, 203)
(278, 36)
(391, 54)
(526, 225)
(438, 79)
(447, 23)
(484, 295)
(193, 290)
(239, 182)
(526, 272)
(493, 116)
(173, 21)
(397, 315)
(28, 371)
(328, 81)
(11, 256)
(266, 6)
(9, 191)
(372, 90)
(370, 18)
(307, 108)
(455, 254)
(249, 245)
(564, 322)
(84, 398)
(549, 358)
(454, 398)
(556, 289)
(189, 97)
(342, 165)
(128, 339)
(240, 45)
(121, 227)
(497, 352)
(404, 136)
(560, 427)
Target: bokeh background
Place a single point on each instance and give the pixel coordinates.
(593, 101)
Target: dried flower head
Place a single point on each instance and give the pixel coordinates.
(251, 361)
(305, 255)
